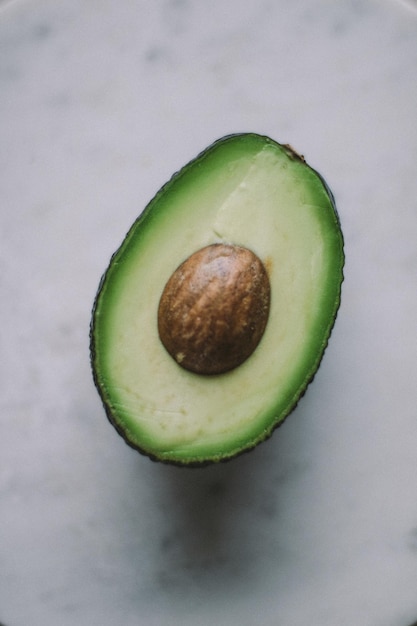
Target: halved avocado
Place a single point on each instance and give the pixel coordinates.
(164, 304)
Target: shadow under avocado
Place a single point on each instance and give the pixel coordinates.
(222, 520)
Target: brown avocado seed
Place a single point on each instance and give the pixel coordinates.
(214, 309)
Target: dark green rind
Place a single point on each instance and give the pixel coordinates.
(266, 434)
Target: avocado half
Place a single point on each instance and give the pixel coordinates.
(248, 191)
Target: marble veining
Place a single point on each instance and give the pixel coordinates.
(100, 102)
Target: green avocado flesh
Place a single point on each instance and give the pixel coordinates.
(249, 191)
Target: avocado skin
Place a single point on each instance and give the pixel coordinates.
(192, 463)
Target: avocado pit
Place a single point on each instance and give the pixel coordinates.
(214, 309)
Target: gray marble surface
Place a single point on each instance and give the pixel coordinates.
(100, 102)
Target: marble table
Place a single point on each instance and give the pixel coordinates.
(100, 102)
